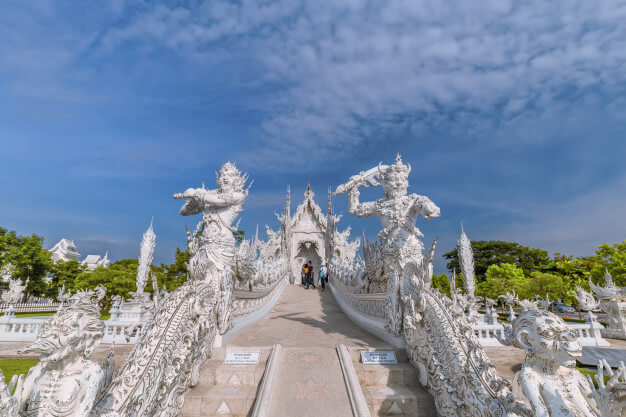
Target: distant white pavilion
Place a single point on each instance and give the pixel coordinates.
(91, 262)
(64, 250)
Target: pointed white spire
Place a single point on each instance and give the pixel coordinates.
(466, 262)
(146, 252)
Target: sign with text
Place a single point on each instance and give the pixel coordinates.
(379, 357)
(242, 358)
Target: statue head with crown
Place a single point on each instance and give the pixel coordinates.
(395, 178)
(230, 179)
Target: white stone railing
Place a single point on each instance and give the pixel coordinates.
(366, 310)
(31, 307)
(588, 333)
(372, 305)
(26, 329)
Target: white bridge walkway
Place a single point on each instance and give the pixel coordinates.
(309, 324)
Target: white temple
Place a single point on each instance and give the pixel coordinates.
(94, 261)
(64, 250)
(307, 233)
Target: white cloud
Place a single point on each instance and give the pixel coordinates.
(352, 62)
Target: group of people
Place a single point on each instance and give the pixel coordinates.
(308, 275)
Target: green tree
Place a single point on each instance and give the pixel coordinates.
(542, 283)
(502, 278)
(175, 274)
(611, 258)
(488, 253)
(441, 282)
(65, 273)
(119, 278)
(29, 259)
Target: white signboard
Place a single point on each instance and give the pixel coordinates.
(379, 357)
(242, 358)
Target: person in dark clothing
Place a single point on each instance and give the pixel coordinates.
(323, 276)
(310, 275)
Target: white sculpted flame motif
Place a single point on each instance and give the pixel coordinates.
(549, 378)
(64, 383)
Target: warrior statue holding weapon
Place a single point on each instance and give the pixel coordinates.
(396, 210)
(213, 243)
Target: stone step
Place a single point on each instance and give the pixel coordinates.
(388, 375)
(226, 390)
(399, 401)
(220, 401)
(393, 390)
(239, 375)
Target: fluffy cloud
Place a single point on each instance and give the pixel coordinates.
(399, 63)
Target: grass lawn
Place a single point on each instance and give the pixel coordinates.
(103, 316)
(11, 367)
(37, 314)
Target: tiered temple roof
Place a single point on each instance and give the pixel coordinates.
(64, 250)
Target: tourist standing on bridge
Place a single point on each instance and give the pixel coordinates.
(310, 275)
(303, 275)
(323, 276)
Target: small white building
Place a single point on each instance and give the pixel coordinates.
(64, 250)
(94, 261)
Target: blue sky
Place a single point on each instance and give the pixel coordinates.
(512, 114)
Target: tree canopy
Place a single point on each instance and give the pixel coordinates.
(496, 252)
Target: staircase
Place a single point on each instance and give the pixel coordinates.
(392, 390)
(308, 377)
(226, 390)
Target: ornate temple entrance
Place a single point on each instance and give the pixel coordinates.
(308, 251)
(306, 235)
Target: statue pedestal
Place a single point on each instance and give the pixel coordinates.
(616, 319)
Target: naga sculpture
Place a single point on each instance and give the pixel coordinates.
(549, 378)
(65, 383)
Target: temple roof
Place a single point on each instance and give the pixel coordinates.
(65, 250)
(309, 202)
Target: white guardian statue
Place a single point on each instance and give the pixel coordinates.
(65, 383)
(219, 209)
(549, 379)
(396, 210)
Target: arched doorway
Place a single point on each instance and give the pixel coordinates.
(308, 251)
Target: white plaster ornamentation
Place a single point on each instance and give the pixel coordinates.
(15, 292)
(397, 212)
(64, 383)
(613, 302)
(549, 379)
(438, 337)
(146, 252)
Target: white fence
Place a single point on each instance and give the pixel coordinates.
(31, 307)
(588, 333)
(26, 329)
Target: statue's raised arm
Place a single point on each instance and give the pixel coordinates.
(230, 191)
